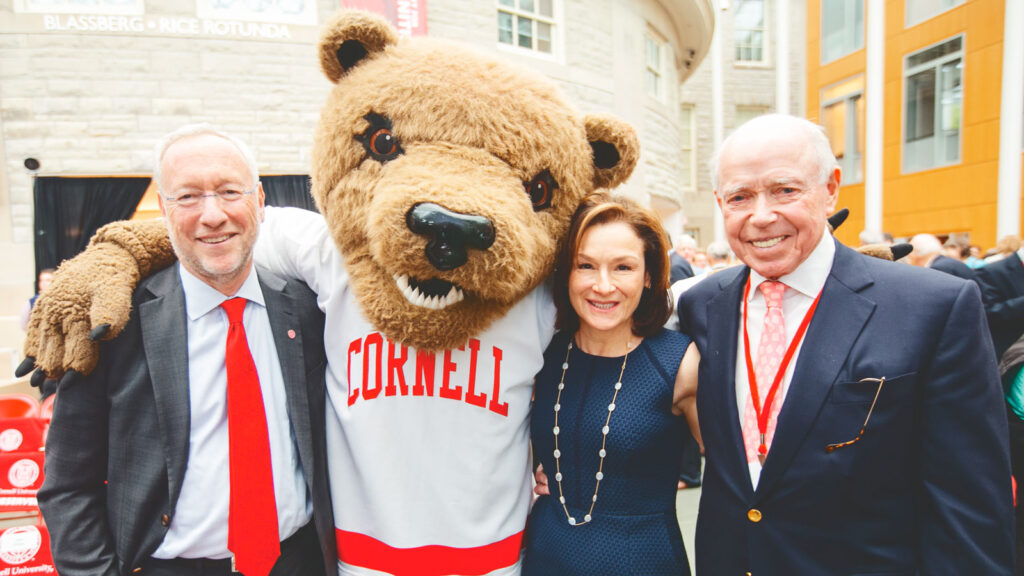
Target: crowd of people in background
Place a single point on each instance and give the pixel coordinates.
(689, 261)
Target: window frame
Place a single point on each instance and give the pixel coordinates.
(760, 109)
(848, 12)
(554, 21)
(926, 16)
(936, 64)
(852, 138)
(651, 37)
(765, 29)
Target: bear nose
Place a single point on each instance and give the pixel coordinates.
(449, 233)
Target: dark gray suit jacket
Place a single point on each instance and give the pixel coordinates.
(118, 445)
(925, 490)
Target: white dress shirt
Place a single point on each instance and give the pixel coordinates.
(802, 287)
(199, 525)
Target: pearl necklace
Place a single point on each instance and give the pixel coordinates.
(604, 438)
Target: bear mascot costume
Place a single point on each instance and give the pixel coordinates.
(446, 181)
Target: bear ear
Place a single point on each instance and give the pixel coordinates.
(616, 149)
(351, 36)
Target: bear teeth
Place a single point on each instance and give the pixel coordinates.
(415, 296)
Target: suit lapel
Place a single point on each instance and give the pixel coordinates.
(165, 341)
(720, 391)
(837, 323)
(288, 340)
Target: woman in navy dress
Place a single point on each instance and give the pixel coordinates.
(606, 421)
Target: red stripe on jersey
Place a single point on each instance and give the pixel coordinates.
(361, 550)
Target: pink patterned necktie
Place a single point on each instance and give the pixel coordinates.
(770, 350)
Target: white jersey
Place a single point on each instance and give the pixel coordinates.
(428, 453)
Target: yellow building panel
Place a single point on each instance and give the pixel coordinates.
(983, 72)
(957, 198)
(985, 21)
(813, 34)
(851, 197)
(891, 162)
(980, 142)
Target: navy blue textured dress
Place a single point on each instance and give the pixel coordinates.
(633, 528)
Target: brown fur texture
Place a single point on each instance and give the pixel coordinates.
(93, 290)
(882, 251)
(475, 134)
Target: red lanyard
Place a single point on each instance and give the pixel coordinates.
(763, 413)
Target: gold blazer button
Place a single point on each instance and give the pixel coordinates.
(754, 515)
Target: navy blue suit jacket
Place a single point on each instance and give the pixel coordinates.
(1002, 285)
(952, 266)
(926, 490)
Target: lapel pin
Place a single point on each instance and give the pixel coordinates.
(291, 334)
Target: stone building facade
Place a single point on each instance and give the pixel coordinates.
(88, 86)
(749, 89)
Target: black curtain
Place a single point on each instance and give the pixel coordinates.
(68, 211)
(288, 191)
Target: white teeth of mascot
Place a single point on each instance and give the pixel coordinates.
(416, 297)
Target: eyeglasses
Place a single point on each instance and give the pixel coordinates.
(191, 200)
(831, 447)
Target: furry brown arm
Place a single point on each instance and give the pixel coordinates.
(91, 291)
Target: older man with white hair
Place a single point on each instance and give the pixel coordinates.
(928, 254)
(681, 258)
(851, 409)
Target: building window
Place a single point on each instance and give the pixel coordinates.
(745, 113)
(654, 75)
(842, 115)
(933, 104)
(528, 24)
(918, 11)
(749, 31)
(688, 147)
(842, 28)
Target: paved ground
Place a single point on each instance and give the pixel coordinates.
(686, 511)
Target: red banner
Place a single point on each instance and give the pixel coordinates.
(25, 550)
(21, 475)
(409, 17)
(21, 434)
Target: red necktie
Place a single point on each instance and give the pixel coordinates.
(252, 518)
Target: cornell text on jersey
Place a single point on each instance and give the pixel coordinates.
(383, 365)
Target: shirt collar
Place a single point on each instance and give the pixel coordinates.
(809, 277)
(1020, 254)
(201, 298)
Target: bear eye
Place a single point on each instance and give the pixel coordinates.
(540, 190)
(383, 143)
(378, 140)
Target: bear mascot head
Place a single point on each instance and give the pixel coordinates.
(447, 178)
